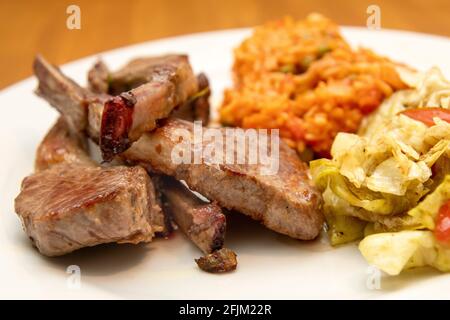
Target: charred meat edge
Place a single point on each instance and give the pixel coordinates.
(202, 222)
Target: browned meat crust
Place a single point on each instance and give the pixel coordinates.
(67, 207)
(127, 116)
(202, 222)
(223, 260)
(286, 202)
(60, 146)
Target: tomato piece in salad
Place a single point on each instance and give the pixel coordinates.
(426, 115)
(442, 230)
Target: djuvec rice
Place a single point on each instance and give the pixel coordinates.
(303, 78)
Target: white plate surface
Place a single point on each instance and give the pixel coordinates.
(271, 266)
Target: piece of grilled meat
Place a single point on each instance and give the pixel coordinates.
(139, 71)
(166, 82)
(62, 146)
(68, 207)
(223, 260)
(202, 222)
(285, 202)
(73, 203)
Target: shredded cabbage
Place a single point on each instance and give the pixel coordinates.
(397, 251)
(326, 173)
(377, 182)
(342, 227)
(386, 169)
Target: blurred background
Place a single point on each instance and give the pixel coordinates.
(32, 26)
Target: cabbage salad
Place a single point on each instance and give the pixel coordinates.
(389, 185)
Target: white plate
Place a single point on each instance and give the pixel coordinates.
(270, 266)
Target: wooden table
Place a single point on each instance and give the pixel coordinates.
(29, 27)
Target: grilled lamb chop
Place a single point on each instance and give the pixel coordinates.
(166, 83)
(202, 222)
(139, 71)
(68, 207)
(287, 202)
